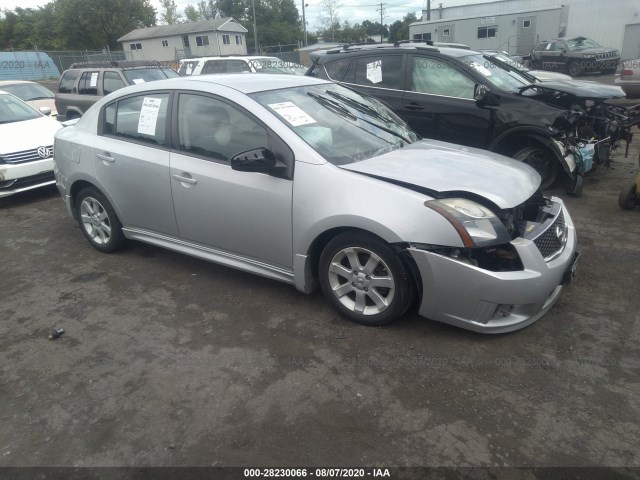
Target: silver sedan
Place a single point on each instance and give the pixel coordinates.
(307, 182)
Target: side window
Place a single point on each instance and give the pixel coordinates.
(551, 47)
(67, 81)
(213, 66)
(111, 82)
(436, 77)
(186, 68)
(214, 129)
(141, 118)
(332, 70)
(384, 71)
(541, 47)
(88, 84)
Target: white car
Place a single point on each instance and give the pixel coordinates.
(629, 79)
(26, 146)
(236, 64)
(31, 92)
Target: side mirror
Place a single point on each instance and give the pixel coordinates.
(481, 93)
(45, 111)
(563, 51)
(260, 160)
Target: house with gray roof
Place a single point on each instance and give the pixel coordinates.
(221, 36)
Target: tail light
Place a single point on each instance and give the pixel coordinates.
(627, 72)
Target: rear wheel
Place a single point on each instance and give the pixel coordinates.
(543, 160)
(364, 279)
(629, 196)
(575, 69)
(98, 221)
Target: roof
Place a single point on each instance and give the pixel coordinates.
(438, 21)
(178, 29)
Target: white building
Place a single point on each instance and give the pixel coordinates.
(221, 36)
(517, 25)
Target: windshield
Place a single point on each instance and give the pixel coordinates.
(581, 43)
(341, 125)
(12, 109)
(141, 75)
(498, 74)
(28, 91)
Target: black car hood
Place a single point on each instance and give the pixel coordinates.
(566, 93)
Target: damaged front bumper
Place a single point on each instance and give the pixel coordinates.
(461, 294)
(21, 177)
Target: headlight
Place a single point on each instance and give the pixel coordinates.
(477, 225)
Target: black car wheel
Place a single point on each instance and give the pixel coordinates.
(365, 280)
(543, 161)
(98, 220)
(629, 196)
(575, 68)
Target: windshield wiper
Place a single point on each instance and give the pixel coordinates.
(372, 112)
(332, 105)
(37, 98)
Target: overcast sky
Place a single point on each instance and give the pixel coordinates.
(356, 11)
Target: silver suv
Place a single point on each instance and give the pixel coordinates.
(84, 84)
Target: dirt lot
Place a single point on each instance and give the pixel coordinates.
(167, 361)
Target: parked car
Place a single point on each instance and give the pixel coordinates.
(26, 149)
(33, 93)
(238, 64)
(515, 62)
(629, 79)
(307, 182)
(84, 84)
(574, 55)
(465, 97)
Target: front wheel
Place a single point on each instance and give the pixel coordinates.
(364, 279)
(575, 69)
(98, 220)
(543, 161)
(629, 196)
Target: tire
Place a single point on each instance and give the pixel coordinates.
(542, 160)
(574, 68)
(98, 221)
(72, 115)
(628, 196)
(350, 266)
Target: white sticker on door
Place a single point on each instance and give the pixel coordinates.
(149, 115)
(292, 113)
(374, 71)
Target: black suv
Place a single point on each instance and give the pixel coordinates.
(465, 97)
(574, 55)
(84, 84)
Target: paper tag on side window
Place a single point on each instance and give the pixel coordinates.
(374, 71)
(149, 115)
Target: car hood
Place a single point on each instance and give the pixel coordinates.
(29, 134)
(583, 89)
(443, 169)
(546, 76)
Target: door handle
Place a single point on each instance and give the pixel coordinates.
(105, 157)
(414, 106)
(180, 178)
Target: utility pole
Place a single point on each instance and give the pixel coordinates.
(382, 15)
(428, 10)
(255, 30)
(304, 25)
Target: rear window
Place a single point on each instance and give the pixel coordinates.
(141, 75)
(186, 68)
(67, 81)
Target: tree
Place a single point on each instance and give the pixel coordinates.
(191, 13)
(399, 30)
(330, 17)
(169, 13)
(207, 9)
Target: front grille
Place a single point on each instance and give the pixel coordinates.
(602, 56)
(551, 242)
(27, 155)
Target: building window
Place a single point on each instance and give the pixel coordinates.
(526, 23)
(238, 40)
(136, 46)
(226, 40)
(165, 43)
(422, 36)
(202, 40)
(487, 32)
(445, 32)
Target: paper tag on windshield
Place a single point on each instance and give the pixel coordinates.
(374, 71)
(149, 115)
(94, 80)
(292, 113)
(138, 80)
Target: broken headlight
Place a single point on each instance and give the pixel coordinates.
(476, 224)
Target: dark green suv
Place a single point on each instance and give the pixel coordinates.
(84, 84)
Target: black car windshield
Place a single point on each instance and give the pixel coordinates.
(28, 91)
(141, 75)
(497, 74)
(581, 43)
(341, 125)
(12, 109)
